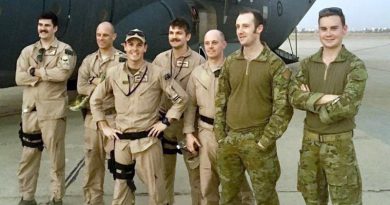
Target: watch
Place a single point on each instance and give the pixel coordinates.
(165, 121)
(32, 71)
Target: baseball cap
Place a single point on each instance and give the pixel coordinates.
(136, 33)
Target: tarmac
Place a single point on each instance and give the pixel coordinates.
(372, 141)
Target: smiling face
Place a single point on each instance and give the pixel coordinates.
(246, 31)
(214, 44)
(178, 37)
(135, 49)
(331, 31)
(46, 29)
(105, 36)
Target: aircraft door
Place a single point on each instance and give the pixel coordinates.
(62, 8)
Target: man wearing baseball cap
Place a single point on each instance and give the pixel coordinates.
(137, 87)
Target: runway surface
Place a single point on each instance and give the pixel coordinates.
(372, 139)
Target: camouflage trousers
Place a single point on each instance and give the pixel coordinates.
(239, 152)
(328, 165)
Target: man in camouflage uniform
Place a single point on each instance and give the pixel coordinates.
(252, 112)
(137, 87)
(180, 60)
(201, 89)
(91, 72)
(329, 87)
(43, 68)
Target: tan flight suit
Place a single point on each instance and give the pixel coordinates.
(44, 108)
(201, 89)
(180, 71)
(96, 145)
(137, 98)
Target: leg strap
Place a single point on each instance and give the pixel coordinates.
(31, 140)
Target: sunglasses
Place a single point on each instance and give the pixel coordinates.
(136, 32)
(330, 11)
(41, 51)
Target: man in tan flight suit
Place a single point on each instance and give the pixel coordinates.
(137, 87)
(43, 68)
(201, 89)
(92, 72)
(180, 60)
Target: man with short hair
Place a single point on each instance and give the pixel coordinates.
(201, 89)
(43, 68)
(329, 87)
(252, 112)
(180, 60)
(137, 87)
(92, 72)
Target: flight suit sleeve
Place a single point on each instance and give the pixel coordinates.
(303, 100)
(190, 112)
(221, 101)
(157, 61)
(84, 74)
(175, 93)
(348, 104)
(22, 75)
(96, 101)
(282, 111)
(63, 69)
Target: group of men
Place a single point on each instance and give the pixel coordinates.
(229, 112)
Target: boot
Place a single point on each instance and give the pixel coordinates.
(25, 202)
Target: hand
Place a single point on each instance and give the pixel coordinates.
(326, 98)
(192, 143)
(38, 72)
(156, 129)
(96, 81)
(108, 131)
(305, 88)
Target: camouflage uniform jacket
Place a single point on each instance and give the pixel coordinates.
(345, 76)
(257, 91)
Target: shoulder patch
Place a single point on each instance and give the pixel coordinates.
(69, 52)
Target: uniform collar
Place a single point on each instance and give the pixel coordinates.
(139, 72)
(239, 54)
(186, 54)
(341, 57)
(113, 53)
(53, 44)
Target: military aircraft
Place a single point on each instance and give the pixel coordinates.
(78, 20)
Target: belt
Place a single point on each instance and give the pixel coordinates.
(207, 120)
(309, 135)
(109, 111)
(133, 135)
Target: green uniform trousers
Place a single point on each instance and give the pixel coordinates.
(328, 165)
(239, 152)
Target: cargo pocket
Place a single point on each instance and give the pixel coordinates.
(30, 122)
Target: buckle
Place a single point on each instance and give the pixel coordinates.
(321, 138)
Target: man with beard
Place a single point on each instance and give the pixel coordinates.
(252, 112)
(43, 68)
(180, 60)
(201, 89)
(92, 72)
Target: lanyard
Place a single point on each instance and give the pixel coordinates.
(181, 66)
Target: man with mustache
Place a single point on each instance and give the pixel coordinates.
(252, 112)
(180, 60)
(91, 73)
(43, 68)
